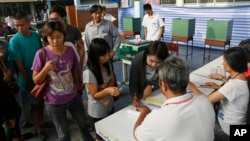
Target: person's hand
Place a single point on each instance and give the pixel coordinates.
(6, 75)
(111, 54)
(194, 89)
(135, 102)
(114, 91)
(147, 91)
(211, 85)
(10, 123)
(49, 66)
(2, 56)
(143, 109)
(216, 76)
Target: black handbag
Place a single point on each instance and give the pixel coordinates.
(12, 85)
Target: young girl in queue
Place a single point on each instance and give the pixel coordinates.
(143, 72)
(233, 96)
(99, 81)
(62, 68)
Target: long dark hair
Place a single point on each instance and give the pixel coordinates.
(237, 59)
(97, 48)
(157, 48)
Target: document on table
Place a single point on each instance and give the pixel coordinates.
(199, 82)
(154, 101)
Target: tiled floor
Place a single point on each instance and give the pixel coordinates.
(195, 62)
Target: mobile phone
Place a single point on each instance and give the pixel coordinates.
(55, 59)
(120, 89)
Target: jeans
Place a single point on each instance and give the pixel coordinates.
(219, 133)
(59, 118)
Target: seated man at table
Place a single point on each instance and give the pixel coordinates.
(183, 116)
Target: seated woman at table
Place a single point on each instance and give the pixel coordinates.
(233, 95)
(99, 81)
(245, 44)
(143, 72)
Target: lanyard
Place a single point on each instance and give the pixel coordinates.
(181, 101)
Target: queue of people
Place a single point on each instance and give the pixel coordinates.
(177, 119)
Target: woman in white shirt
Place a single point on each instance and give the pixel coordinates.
(233, 95)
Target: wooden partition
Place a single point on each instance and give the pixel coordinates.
(71, 14)
(82, 18)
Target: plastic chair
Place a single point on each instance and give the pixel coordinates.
(173, 48)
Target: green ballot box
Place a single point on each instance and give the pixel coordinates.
(129, 48)
(131, 24)
(219, 30)
(183, 27)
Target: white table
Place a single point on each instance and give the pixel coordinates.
(125, 64)
(119, 126)
(199, 82)
(210, 67)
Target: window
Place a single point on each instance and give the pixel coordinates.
(190, 1)
(168, 1)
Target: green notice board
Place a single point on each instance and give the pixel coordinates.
(131, 24)
(219, 30)
(183, 27)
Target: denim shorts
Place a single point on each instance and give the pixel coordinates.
(219, 133)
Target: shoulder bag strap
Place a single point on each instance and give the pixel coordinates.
(44, 56)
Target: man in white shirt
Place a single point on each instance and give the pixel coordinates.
(152, 23)
(107, 16)
(184, 116)
(9, 21)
